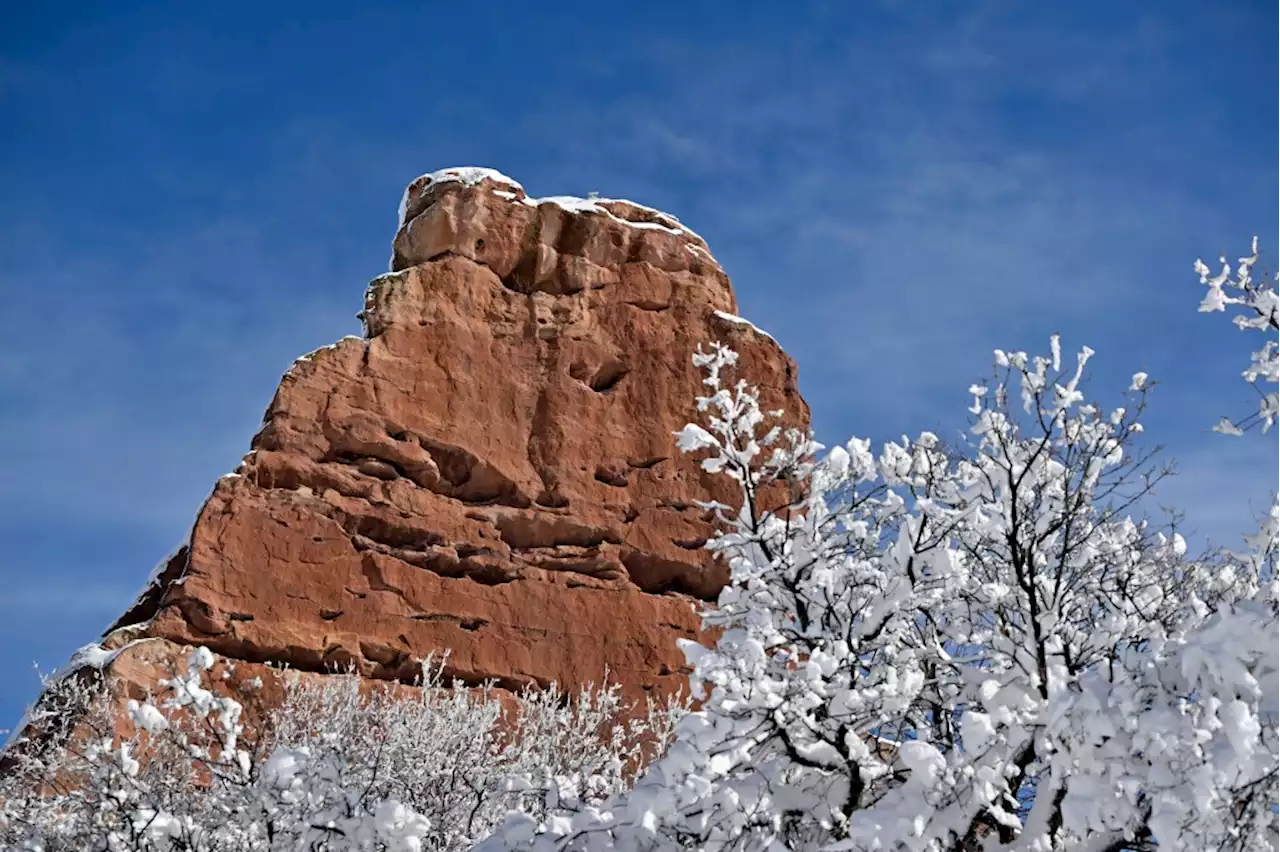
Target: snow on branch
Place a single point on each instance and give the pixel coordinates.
(333, 767)
(958, 647)
(1257, 302)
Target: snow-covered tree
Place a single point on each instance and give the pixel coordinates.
(961, 645)
(1258, 304)
(333, 767)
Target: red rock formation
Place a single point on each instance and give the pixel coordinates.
(491, 469)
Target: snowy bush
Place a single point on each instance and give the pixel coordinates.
(333, 768)
(1259, 305)
(963, 646)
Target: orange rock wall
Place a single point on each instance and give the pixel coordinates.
(491, 469)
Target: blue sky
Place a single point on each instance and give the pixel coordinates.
(195, 194)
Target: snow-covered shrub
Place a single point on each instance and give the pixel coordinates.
(1259, 304)
(962, 646)
(334, 767)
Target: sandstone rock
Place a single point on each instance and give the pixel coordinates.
(491, 469)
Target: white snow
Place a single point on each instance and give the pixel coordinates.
(574, 204)
(1226, 427)
(473, 175)
(201, 658)
(309, 356)
(92, 656)
(571, 203)
(734, 318)
(147, 716)
(466, 175)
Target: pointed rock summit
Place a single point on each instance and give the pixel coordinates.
(491, 469)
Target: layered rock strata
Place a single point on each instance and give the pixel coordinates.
(491, 468)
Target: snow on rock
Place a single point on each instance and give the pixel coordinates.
(91, 656)
(465, 175)
(561, 244)
(512, 191)
(601, 206)
(310, 356)
(612, 207)
(737, 320)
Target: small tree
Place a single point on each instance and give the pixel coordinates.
(962, 648)
(335, 767)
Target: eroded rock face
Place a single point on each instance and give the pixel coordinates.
(491, 469)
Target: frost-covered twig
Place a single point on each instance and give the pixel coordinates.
(1258, 305)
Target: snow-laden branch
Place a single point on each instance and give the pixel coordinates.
(958, 647)
(333, 767)
(1258, 304)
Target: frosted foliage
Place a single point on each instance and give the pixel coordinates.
(335, 768)
(1254, 303)
(964, 646)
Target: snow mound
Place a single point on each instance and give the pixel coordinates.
(465, 175)
(737, 320)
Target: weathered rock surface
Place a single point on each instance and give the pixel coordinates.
(491, 469)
